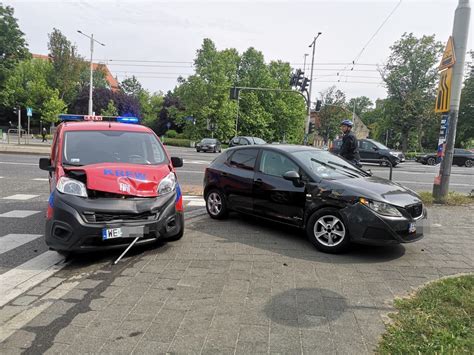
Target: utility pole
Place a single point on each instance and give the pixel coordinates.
(460, 34)
(308, 118)
(91, 37)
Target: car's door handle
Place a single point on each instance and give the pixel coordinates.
(258, 182)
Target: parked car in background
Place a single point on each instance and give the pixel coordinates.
(316, 191)
(461, 157)
(246, 141)
(209, 145)
(372, 151)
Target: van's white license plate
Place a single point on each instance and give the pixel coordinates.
(111, 233)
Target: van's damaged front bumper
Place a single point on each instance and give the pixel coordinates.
(368, 227)
(78, 224)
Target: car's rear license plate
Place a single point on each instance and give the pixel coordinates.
(412, 228)
(111, 233)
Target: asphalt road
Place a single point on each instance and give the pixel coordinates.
(24, 193)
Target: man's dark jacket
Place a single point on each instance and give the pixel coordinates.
(349, 147)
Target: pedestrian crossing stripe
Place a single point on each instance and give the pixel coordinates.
(19, 214)
(20, 197)
(443, 96)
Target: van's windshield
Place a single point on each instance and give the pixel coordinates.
(92, 147)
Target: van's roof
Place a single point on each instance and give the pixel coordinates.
(104, 126)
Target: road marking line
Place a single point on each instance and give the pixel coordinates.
(40, 179)
(20, 197)
(191, 197)
(16, 281)
(196, 203)
(1, 177)
(14, 163)
(427, 183)
(189, 172)
(12, 241)
(201, 162)
(18, 214)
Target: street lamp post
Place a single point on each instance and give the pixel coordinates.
(308, 118)
(91, 37)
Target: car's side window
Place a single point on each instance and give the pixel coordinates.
(244, 158)
(364, 145)
(235, 140)
(243, 141)
(276, 164)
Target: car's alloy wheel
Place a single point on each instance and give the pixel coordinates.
(327, 231)
(431, 161)
(469, 163)
(216, 204)
(385, 162)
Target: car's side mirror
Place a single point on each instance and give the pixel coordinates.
(292, 176)
(177, 162)
(45, 164)
(375, 148)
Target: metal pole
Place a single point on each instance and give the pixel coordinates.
(19, 124)
(308, 117)
(28, 134)
(91, 75)
(460, 34)
(237, 118)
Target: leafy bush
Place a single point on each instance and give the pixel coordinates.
(175, 142)
(171, 133)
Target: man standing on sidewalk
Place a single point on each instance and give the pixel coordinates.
(349, 147)
(43, 133)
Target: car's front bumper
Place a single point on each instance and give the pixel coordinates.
(77, 223)
(367, 227)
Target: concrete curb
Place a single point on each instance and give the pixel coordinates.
(24, 149)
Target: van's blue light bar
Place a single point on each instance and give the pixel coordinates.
(120, 119)
(127, 119)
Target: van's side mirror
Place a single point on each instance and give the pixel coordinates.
(177, 162)
(45, 164)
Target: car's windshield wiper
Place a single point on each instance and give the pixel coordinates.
(348, 168)
(72, 164)
(332, 167)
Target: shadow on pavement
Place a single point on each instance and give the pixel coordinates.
(289, 241)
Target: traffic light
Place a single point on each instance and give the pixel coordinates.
(299, 77)
(304, 84)
(311, 127)
(234, 93)
(318, 106)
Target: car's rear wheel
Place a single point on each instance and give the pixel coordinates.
(327, 231)
(431, 161)
(198, 150)
(385, 162)
(216, 204)
(469, 163)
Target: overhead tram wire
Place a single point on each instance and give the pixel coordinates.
(372, 37)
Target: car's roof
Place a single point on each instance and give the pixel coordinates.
(104, 126)
(289, 148)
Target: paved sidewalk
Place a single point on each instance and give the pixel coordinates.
(235, 287)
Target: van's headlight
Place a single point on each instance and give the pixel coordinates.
(167, 185)
(381, 208)
(71, 187)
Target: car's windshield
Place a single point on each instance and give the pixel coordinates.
(208, 141)
(327, 165)
(258, 140)
(91, 147)
(379, 145)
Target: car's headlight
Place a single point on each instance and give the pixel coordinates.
(381, 208)
(167, 185)
(71, 187)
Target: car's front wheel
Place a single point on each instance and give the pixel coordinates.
(469, 163)
(327, 231)
(431, 161)
(216, 204)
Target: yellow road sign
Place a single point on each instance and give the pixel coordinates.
(443, 96)
(449, 58)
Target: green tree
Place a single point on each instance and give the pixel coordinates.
(150, 106)
(52, 107)
(99, 80)
(110, 110)
(333, 111)
(131, 86)
(68, 66)
(360, 105)
(465, 128)
(410, 75)
(27, 85)
(13, 47)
